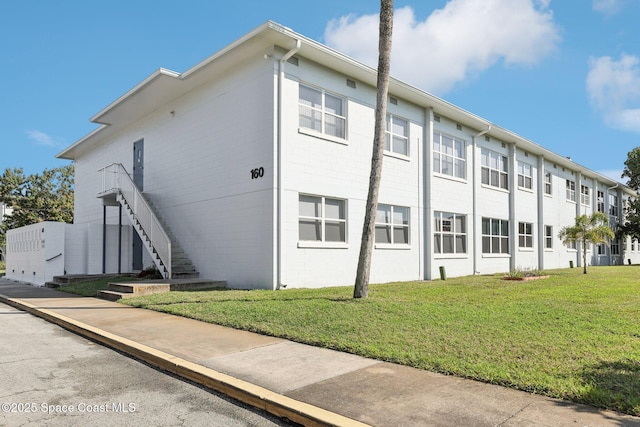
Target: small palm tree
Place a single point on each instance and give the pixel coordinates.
(592, 228)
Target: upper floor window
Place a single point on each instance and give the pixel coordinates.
(495, 236)
(600, 201)
(613, 205)
(547, 183)
(525, 176)
(571, 190)
(494, 169)
(322, 219)
(585, 195)
(322, 112)
(449, 155)
(392, 225)
(397, 135)
(450, 236)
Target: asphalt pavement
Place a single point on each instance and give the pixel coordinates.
(305, 384)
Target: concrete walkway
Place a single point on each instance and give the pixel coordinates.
(308, 385)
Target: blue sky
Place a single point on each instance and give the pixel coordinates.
(562, 73)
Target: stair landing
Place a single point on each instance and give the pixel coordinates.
(121, 290)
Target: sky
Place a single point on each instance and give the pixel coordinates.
(564, 74)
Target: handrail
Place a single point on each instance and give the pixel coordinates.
(115, 179)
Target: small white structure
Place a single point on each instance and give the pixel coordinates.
(38, 252)
(254, 165)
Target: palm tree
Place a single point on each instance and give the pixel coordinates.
(592, 228)
(361, 288)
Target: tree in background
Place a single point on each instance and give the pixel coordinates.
(592, 228)
(47, 196)
(631, 224)
(361, 288)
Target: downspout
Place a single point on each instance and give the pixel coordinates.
(541, 226)
(606, 204)
(427, 220)
(474, 219)
(278, 154)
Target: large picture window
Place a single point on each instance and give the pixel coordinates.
(495, 236)
(397, 135)
(322, 112)
(322, 219)
(392, 225)
(494, 171)
(449, 155)
(450, 236)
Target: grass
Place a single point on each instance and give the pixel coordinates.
(90, 287)
(569, 336)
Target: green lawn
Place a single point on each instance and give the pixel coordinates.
(570, 336)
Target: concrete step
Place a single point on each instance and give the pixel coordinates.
(139, 288)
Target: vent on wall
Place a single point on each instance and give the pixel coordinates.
(436, 118)
(351, 83)
(393, 100)
(504, 145)
(293, 60)
(487, 138)
(459, 127)
(526, 154)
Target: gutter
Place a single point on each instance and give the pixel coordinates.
(278, 175)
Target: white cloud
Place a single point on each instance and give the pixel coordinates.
(44, 139)
(453, 44)
(608, 7)
(614, 90)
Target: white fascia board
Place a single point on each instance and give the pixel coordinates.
(68, 153)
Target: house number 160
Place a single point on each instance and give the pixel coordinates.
(257, 173)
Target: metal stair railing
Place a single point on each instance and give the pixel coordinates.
(114, 179)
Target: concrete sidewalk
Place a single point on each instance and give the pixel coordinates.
(308, 385)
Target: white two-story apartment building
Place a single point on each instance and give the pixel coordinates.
(256, 162)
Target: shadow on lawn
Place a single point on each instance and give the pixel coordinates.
(613, 385)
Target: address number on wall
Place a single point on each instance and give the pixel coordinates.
(257, 173)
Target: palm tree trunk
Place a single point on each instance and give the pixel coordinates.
(361, 288)
(584, 256)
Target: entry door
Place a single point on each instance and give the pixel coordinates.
(138, 180)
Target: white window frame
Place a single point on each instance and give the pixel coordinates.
(571, 190)
(494, 169)
(496, 235)
(450, 163)
(446, 227)
(395, 140)
(525, 176)
(548, 236)
(322, 219)
(326, 114)
(600, 201)
(585, 195)
(525, 235)
(548, 185)
(387, 222)
(613, 205)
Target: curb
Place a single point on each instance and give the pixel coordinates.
(243, 391)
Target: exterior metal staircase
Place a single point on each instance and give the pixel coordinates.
(165, 251)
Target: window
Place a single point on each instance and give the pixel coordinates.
(322, 112)
(449, 155)
(572, 244)
(548, 237)
(547, 183)
(495, 236)
(602, 249)
(615, 247)
(392, 225)
(525, 176)
(525, 235)
(585, 197)
(322, 219)
(600, 201)
(571, 190)
(494, 169)
(613, 205)
(633, 245)
(397, 135)
(450, 236)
